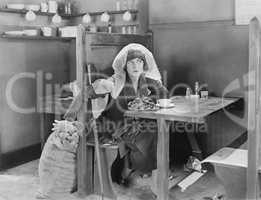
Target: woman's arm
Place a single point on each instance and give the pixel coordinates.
(98, 89)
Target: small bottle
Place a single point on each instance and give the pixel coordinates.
(196, 88)
(44, 7)
(123, 30)
(65, 7)
(118, 5)
(109, 28)
(188, 93)
(69, 8)
(129, 30)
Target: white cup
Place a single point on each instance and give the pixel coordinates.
(93, 29)
(164, 102)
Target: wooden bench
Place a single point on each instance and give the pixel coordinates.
(231, 167)
(98, 50)
(240, 169)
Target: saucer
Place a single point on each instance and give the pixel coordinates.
(181, 109)
(170, 105)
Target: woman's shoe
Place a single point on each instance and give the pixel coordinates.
(125, 181)
(146, 175)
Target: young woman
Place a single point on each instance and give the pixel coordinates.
(136, 75)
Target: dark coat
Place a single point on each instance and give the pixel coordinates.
(138, 137)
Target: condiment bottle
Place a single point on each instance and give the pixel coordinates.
(129, 30)
(109, 28)
(188, 92)
(123, 30)
(69, 8)
(196, 88)
(134, 30)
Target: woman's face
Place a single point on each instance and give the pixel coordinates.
(135, 67)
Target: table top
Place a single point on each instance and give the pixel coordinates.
(185, 109)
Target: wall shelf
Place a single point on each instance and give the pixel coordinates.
(24, 37)
(24, 11)
(113, 12)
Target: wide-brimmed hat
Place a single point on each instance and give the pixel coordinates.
(132, 54)
(121, 59)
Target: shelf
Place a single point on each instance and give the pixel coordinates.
(36, 37)
(24, 11)
(114, 12)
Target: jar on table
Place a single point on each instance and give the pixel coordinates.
(52, 6)
(68, 8)
(118, 5)
(123, 30)
(109, 28)
(44, 7)
(129, 30)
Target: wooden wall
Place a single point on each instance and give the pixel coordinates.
(198, 41)
(215, 54)
(193, 41)
(31, 56)
(17, 130)
(18, 56)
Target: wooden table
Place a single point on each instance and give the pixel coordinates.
(185, 111)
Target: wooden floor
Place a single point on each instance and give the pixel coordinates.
(22, 183)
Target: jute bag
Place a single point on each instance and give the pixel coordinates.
(57, 166)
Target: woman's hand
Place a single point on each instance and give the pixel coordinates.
(74, 108)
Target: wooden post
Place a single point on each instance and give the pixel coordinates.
(253, 110)
(84, 177)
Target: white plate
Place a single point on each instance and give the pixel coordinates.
(181, 109)
(15, 33)
(31, 32)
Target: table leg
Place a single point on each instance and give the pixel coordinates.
(162, 160)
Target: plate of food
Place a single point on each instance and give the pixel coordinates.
(170, 105)
(143, 104)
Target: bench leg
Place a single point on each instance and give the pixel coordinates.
(84, 169)
(108, 156)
